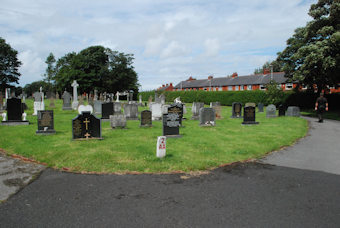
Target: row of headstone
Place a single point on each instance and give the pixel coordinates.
(290, 111)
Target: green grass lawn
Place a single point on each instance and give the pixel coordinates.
(134, 148)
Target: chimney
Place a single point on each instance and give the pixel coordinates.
(167, 84)
(210, 77)
(234, 75)
(163, 85)
(170, 83)
(266, 71)
(190, 79)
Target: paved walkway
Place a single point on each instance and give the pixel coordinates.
(320, 150)
(15, 174)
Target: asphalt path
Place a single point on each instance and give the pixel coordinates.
(242, 195)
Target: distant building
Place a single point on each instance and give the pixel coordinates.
(166, 87)
(239, 83)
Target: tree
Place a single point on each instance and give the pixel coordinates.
(312, 55)
(98, 68)
(29, 89)
(277, 67)
(9, 65)
(274, 93)
(50, 70)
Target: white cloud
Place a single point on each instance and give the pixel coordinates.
(171, 39)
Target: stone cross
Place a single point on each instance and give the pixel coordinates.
(75, 95)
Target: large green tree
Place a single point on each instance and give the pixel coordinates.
(50, 71)
(9, 65)
(96, 67)
(312, 55)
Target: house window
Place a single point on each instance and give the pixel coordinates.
(230, 88)
(236, 88)
(249, 87)
(241, 87)
(289, 85)
(219, 88)
(262, 87)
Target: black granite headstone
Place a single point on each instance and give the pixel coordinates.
(171, 122)
(107, 110)
(249, 115)
(282, 110)
(177, 108)
(146, 118)
(86, 126)
(236, 110)
(14, 109)
(45, 122)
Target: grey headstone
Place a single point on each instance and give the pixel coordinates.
(195, 109)
(131, 111)
(156, 109)
(118, 120)
(236, 110)
(271, 111)
(293, 111)
(45, 122)
(67, 101)
(260, 107)
(117, 107)
(217, 103)
(37, 97)
(146, 118)
(207, 117)
(97, 106)
(165, 109)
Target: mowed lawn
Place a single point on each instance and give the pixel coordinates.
(134, 149)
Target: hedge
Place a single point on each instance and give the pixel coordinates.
(302, 99)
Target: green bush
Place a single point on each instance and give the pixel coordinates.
(303, 100)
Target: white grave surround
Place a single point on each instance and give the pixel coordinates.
(85, 108)
(156, 109)
(161, 147)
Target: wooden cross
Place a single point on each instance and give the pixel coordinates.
(86, 122)
(87, 135)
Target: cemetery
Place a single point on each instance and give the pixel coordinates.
(197, 138)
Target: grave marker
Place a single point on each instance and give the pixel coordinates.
(146, 118)
(236, 110)
(45, 122)
(195, 109)
(86, 126)
(66, 101)
(293, 111)
(161, 147)
(249, 115)
(207, 117)
(118, 120)
(271, 111)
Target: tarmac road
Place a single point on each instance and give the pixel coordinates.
(241, 195)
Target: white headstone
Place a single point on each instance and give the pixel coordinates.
(161, 147)
(4, 116)
(75, 95)
(156, 109)
(117, 96)
(85, 108)
(24, 116)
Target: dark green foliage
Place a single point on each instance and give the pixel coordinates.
(98, 68)
(9, 65)
(307, 100)
(312, 55)
(35, 86)
(275, 94)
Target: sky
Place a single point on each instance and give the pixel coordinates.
(171, 39)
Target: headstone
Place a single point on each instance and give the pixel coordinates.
(66, 101)
(118, 120)
(86, 126)
(131, 111)
(14, 113)
(178, 100)
(146, 118)
(249, 115)
(1, 102)
(50, 94)
(95, 97)
(271, 111)
(217, 103)
(293, 111)
(260, 107)
(178, 109)
(162, 98)
(52, 104)
(107, 110)
(38, 104)
(250, 104)
(150, 101)
(45, 122)
(161, 147)
(165, 109)
(57, 96)
(117, 107)
(207, 117)
(171, 125)
(85, 108)
(7, 93)
(101, 97)
(75, 95)
(140, 100)
(195, 109)
(156, 109)
(97, 106)
(117, 96)
(236, 110)
(157, 99)
(282, 110)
